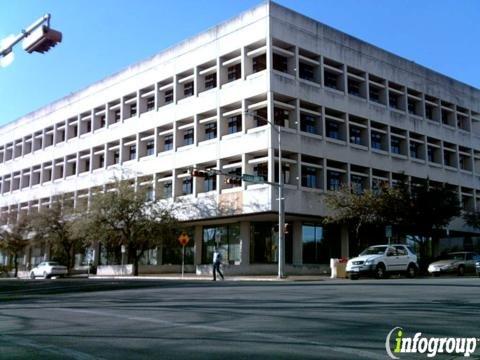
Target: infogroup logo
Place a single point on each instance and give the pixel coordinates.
(397, 343)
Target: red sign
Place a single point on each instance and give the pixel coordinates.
(183, 239)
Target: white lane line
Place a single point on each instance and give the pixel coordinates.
(51, 349)
(280, 338)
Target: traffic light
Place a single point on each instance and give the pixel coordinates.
(233, 181)
(199, 173)
(286, 228)
(42, 39)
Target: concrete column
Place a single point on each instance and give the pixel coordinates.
(344, 241)
(245, 243)
(297, 258)
(197, 238)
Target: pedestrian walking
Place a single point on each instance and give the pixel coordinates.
(217, 261)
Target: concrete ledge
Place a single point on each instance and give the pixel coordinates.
(115, 270)
(265, 269)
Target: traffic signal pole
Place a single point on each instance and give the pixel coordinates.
(279, 185)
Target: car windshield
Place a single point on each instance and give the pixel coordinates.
(52, 263)
(374, 250)
(455, 257)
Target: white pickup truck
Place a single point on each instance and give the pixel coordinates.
(380, 260)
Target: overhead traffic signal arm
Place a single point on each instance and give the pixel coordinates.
(37, 37)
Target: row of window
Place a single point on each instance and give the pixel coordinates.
(229, 68)
(338, 126)
(332, 74)
(299, 171)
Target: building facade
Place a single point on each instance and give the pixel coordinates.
(350, 113)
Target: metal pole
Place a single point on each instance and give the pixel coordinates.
(183, 260)
(281, 211)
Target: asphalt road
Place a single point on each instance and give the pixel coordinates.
(169, 319)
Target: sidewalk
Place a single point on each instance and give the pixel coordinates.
(194, 277)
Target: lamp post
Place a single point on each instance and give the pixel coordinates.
(281, 204)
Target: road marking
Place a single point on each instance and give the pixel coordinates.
(283, 339)
(52, 349)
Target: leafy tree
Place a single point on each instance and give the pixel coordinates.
(420, 211)
(14, 240)
(57, 225)
(125, 217)
(353, 209)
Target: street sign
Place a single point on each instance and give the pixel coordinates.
(183, 239)
(388, 231)
(253, 178)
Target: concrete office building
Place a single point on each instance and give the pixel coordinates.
(351, 114)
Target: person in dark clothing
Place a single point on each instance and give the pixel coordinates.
(217, 261)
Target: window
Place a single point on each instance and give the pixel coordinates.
(74, 131)
(280, 63)
(259, 63)
(355, 136)
(103, 121)
(414, 150)
(132, 152)
(280, 117)
(210, 183)
(412, 105)
(187, 187)
(133, 109)
(375, 94)
(429, 111)
(376, 141)
(188, 89)
(226, 238)
(117, 116)
(393, 101)
(334, 181)
(150, 147)
(264, 243)
(168, 96)
(306, 72)
(234, 124)
(308, 123)
(210, 131)
(101, 161)
(309, 177)
(357, 183)
(150, 103)
(395, 145)
(354, 87)
(168, 143)
(430, 152)
(314, 250)
(167, 190)
(116, 156)
(210, 81)
(88, 127)
(333, 130)
(331, 80)
(234, 72)
(188, 137)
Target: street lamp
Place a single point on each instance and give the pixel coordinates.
(281, 204)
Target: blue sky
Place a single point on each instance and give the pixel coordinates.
(103, 37)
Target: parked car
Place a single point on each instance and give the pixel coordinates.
(381, 260)
(455, 263)
(47, 269)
